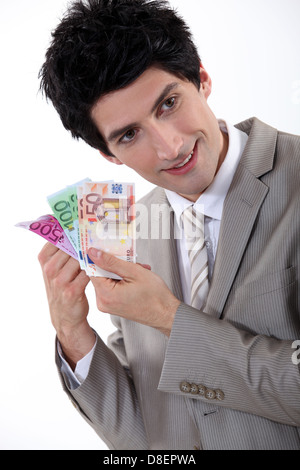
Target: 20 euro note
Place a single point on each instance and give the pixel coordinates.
(106, 221)
(49, 228)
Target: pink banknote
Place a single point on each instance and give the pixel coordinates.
(49, 228)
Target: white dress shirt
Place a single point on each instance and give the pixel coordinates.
(211, 204)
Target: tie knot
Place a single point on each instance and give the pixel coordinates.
(193, 223)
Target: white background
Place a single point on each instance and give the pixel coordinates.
(251, 50)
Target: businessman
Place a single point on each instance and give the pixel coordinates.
(207, 324)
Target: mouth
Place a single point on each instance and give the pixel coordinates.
(186, 165)
(185, 161)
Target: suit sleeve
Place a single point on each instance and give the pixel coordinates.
(255, 373)
(107, 399)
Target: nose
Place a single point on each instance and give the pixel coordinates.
(167, 142)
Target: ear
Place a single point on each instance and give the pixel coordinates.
(111, 158)
(206, 83)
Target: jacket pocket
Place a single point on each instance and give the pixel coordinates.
(269, 283)
(268, 305)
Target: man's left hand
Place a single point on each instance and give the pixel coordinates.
(140, 295)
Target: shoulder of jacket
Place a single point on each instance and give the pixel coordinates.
(155, 196)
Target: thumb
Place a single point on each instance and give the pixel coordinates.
(111, 263)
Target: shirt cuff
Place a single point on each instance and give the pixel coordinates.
(81, 371)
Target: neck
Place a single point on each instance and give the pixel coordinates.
(224, 149)
(224, 141)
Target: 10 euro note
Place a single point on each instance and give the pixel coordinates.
(106, 217)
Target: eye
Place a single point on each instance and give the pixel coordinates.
(169, 103)
(128, 136)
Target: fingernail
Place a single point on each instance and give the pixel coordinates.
(94, 253)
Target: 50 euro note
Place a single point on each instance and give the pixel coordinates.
(106, 215)
(49, 228)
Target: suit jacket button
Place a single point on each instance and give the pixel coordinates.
(219, 394)
(185, 387)
(194, 389)
(210, 394)
(201, 390)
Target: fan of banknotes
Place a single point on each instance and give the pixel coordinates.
(90, 214)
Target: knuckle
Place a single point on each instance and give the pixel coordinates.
(99, 302)
(59, 283)
(107, 303)
(48, 270)
(102, 303)
(103, 295)
(45, 253)
(69, 294)
(42, 256)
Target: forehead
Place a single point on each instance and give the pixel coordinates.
(132, 103)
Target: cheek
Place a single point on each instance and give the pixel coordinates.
(191, 121)
(186, 123)
(140, 159)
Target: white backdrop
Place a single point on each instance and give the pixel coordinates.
(251, 50)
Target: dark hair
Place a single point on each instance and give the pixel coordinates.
(103, 45)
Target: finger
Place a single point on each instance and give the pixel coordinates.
(146, 266)
(47, 252)
(53, 265)
(51, 252)
(67, 270)
(112, 264)
(81, 280)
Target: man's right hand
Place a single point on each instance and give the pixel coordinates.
(65, 286)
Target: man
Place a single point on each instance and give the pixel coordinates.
(204, 350)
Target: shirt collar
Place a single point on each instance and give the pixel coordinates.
(211, 201)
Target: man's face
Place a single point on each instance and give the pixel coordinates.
(162, 127)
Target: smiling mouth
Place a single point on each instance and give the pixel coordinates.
(186, 165)
(185, 161)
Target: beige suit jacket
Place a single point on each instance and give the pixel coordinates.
(239, 349)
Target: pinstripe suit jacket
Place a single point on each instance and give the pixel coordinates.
(242, 342)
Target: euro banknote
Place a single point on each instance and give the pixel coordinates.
(106, 221)
(49, 228)
(91, 214)
(65, 208)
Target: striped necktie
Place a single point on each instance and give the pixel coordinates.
(193, 226)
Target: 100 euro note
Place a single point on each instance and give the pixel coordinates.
(65, 207)
(106, 215)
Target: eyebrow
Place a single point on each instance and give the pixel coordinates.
(118, 132)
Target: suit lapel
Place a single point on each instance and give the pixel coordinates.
(163, 251)
(239, 214)
(241, 207)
